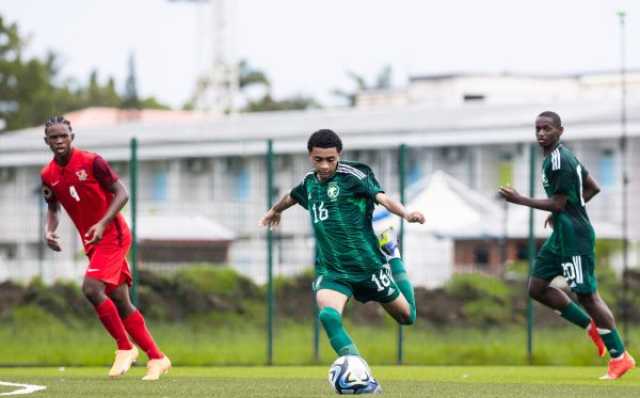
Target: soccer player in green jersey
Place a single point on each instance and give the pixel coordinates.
(570, 250)
(340, 197)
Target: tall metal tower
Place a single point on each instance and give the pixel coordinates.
(217, 87)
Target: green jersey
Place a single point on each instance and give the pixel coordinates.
(341, 211)
(573, 234)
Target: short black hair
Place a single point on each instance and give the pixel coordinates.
(57, 120)
(324, 138)
(553, 116)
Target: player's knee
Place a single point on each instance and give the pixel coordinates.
(124, 306)
(92, 293)
(407, 320)
(329, 316)
(407, 317)
(587, 300)
(535, 292)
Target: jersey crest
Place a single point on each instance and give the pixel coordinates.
(333, 190)
(82, 174)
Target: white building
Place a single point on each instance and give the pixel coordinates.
(215, 168)
(455, 89)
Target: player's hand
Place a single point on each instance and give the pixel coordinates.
(509, 194)
(271, 219)
(94, 234)
(53, 241)
(549, 221)
(414, 216)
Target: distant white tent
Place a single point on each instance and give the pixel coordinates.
(454, 211)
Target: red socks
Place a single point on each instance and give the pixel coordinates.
(137, 329)
(108, 314)
(133, 324)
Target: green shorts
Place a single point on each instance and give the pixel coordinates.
(379, 286)
(579, 271)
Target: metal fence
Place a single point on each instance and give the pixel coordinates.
(206, 209)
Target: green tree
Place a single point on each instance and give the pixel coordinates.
(267, 103)
(98, 95)
(251, 78)
(359, 83)
(31, 89)
(130, 99)
(26, 92)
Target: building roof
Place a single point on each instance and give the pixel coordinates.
(578, 75)
(109, 117)
(246, 134)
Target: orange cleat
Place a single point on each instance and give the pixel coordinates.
(619, 366)
(592, 332)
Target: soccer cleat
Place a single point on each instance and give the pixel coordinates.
(618, 367)
(387, 242)
(157, 367)
(592, 332)
(124, 360)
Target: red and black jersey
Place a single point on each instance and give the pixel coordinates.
(82, 188)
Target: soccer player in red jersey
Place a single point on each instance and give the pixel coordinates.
(92, 194)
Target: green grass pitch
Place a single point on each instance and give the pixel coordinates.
(284, 381)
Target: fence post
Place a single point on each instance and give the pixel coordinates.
(532, 250)
(401, 188)
(270, 299)
(133, 200)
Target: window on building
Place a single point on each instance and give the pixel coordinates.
(473, 97)
(414, 167)
(481, 256)
(238, 171)
(505, 169)
(159, 183)
(607, 168)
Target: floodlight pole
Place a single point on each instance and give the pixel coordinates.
(625, 177)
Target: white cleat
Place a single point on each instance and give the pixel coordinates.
(122, 363)
(156, 368)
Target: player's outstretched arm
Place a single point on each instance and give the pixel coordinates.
(590, 188)
(272, 217)
(398, 209)
(121, 196)
(53, 240)
(555, 203)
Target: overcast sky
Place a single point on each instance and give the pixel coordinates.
(306, 46)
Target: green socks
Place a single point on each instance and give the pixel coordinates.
(576, 315)
(400, 276)
(612, 340)
(338, 336)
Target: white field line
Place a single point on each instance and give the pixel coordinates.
(22, 388)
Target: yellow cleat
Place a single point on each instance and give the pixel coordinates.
(122, 363)
(156, 368)
(387, 242)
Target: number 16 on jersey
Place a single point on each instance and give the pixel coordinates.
(320, 213)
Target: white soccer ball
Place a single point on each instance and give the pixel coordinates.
(350, 374)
